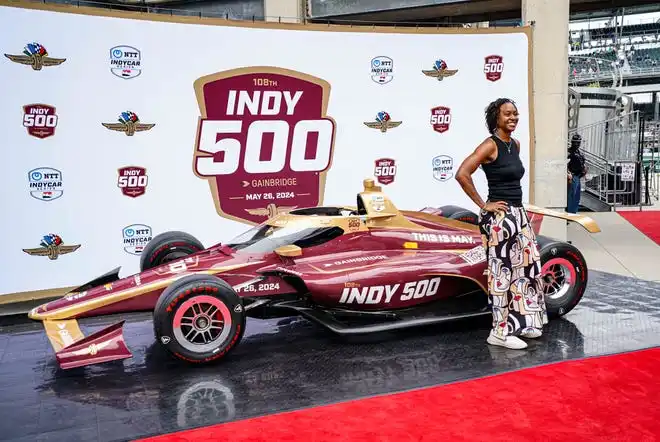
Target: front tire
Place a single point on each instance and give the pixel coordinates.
(565, 275)
(199, 319)
(166, 247)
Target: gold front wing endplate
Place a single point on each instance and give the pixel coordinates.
(61, 334)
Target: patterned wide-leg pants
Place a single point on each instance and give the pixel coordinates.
(515, 287)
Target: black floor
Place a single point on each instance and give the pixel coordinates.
(284, 365)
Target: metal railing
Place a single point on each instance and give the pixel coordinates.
(650, 157)
(616, 139)
(619, 183)
(618, 173)
(613, 73)
(629, 37)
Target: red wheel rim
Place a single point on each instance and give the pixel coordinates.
(201, 323)
(558, 276)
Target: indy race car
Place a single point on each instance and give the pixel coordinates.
(352, 270)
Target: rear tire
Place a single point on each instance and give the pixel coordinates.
(460, 214)
(566, 275)
(199, 319)
(166, 247)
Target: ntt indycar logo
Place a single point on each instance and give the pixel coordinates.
(136, 237)
(45, 183)
(125, 62)
(382, 69)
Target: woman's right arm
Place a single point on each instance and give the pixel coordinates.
(484, 153)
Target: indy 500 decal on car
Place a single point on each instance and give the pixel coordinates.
(264, 141)
(377, 294)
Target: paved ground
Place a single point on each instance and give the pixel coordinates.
(619, 248)
(287, 364)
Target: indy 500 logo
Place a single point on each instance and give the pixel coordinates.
(264, 141)
(132, 181)
(493, 67)
(40, 120)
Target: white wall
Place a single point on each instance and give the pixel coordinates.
(92, 211)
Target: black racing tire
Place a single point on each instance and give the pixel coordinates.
(178, 300)
(560, 260)
(460, 214)
(166, 247)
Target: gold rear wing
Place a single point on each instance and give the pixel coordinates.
(588, 223)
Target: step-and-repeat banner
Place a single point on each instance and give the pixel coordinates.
(117, 129)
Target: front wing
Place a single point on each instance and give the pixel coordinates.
(73, 349)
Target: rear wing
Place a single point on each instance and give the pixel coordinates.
(588, 223)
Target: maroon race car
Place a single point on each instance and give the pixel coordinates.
(353, 270)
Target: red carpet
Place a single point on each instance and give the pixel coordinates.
(647, 222)
(610, 398)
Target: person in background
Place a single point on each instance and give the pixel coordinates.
(515, 287)
(576, 170)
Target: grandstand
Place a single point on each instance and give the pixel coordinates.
(616, 49)
(618, 57)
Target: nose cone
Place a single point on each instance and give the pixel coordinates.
(40, 312)
(53, 309)
(32, 314)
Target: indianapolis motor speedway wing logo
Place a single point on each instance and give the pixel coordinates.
(129, 123)
(35, 55)
(264, 141)
(382, 122)
(52, 246)
(440, 71)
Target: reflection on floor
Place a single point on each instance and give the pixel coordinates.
(285, 365)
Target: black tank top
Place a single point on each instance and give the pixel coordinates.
(504, 174)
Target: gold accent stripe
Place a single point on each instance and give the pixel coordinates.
(102, 301)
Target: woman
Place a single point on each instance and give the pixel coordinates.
(515, 289)
(576, 170)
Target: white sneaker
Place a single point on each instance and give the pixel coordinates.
(512, 342)
(531, 333)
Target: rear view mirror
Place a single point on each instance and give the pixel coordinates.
(289, 251)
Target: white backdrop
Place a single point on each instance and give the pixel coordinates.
(93, 212)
